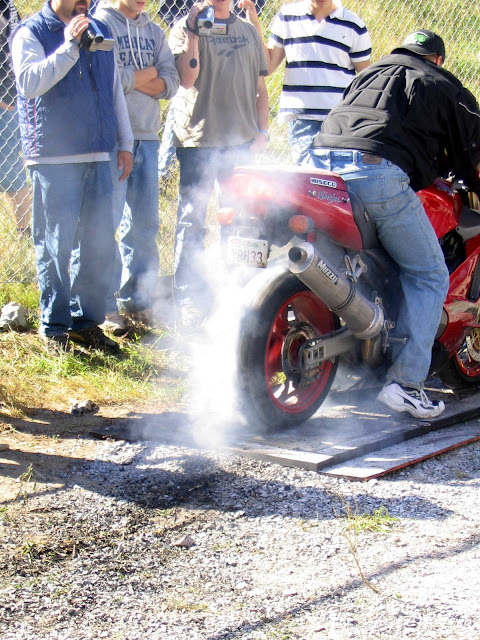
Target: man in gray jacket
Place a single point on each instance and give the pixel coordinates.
(148, 74)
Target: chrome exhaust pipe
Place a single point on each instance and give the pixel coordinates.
(365, 319)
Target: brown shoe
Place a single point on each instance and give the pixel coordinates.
(94, 337)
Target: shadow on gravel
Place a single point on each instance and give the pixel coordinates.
(337, 595)
(152, 478)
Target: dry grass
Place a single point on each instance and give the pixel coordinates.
(33, 380)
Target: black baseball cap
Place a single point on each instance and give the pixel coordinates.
(425, 43)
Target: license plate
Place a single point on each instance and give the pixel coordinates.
(247, 251)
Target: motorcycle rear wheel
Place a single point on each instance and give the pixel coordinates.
(463, 368)
(273, 389)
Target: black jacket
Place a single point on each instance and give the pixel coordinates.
(408, 110)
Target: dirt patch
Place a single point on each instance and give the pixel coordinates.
(53, 443)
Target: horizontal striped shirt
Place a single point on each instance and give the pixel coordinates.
(319, 58)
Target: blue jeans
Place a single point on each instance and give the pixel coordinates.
(135, 214)
(408, 237)
(74, 243)
(199, 168)
(301, 134)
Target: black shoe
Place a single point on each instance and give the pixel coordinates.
(56, 345)
(94, 337)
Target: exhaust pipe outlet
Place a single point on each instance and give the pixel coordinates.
(365, 319)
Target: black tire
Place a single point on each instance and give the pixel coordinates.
(284, 314)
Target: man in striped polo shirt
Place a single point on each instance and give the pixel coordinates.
(324, 45)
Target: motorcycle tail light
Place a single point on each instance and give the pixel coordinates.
(300, 224)
(225, 216)
(252, 188)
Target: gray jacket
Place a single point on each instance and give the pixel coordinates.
(140, 43)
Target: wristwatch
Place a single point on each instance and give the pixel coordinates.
(265, 133)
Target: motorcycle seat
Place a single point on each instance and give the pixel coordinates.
(366, 226)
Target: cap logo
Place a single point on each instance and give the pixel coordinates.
(416, 38)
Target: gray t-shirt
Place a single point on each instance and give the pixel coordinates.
(220, 109)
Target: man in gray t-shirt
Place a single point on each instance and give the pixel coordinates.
(221, 120)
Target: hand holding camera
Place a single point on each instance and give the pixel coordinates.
(93, 39)
(86, 32)
(201, 21)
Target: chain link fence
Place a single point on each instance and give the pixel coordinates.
(388, 22)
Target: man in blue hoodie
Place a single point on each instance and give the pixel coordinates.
(148, 74)
(72, 112)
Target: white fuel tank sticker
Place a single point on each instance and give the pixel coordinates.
(323, 183)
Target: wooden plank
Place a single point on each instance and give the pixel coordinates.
(407, 453)
(382, 434)
(314, 446)
(307, 460)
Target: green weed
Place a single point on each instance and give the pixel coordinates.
(26, 478)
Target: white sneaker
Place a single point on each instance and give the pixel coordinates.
(415, 402)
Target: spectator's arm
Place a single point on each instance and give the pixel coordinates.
(36, 73)
(260, 141)
(188, 70)
(274, 55)
(166, 81)
(359, 66)
(124, 133)
(153, 87)
(144, 76)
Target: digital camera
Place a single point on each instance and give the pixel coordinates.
(206, 25)
(93, 39)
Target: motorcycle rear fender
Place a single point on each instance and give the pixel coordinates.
(320, 195)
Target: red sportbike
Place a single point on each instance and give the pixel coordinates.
(326, 289)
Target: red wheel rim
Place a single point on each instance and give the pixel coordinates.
(306, 308)
(468, 357)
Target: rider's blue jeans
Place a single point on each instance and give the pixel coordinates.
(407, 235)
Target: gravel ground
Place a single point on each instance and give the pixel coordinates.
(139, 541)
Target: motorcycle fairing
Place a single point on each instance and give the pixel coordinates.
(318, 194)
(442, 205)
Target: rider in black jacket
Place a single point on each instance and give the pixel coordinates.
(388, 138)
(409, 110)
